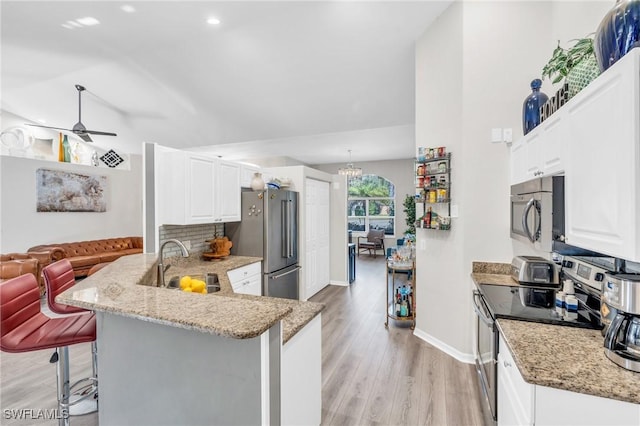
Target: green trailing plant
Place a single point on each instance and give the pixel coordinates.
(409, 204)
(564, 60)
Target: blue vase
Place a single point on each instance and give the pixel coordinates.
(531, 107)
(618, 33)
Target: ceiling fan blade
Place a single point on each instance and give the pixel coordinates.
(78, 128)
(96, 132)
(85, 137)
(48, 127)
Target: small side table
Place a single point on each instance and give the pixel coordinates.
(392, 286)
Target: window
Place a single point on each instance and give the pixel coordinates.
(371, 204)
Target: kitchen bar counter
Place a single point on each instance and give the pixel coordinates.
(557, 356)
(226, 352)
(127, 287)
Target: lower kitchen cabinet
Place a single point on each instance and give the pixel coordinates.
(522, 403)
(515, 396)
(247, 279)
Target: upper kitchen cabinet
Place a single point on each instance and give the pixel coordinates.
(603, 162)
(541, 152)
(227, 191)
(196, 188)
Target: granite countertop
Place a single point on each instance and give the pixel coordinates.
(127, 287)
(556, 356)
(568, 358)
(492, 273)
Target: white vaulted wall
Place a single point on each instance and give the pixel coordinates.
(22, 227)
(473, 69)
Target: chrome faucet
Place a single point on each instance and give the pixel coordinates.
(161, 267)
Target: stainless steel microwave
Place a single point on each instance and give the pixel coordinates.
(537, 212)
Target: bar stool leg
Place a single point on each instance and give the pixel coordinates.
(86, 399)
(62, 374)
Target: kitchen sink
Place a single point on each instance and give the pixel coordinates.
(211, 280)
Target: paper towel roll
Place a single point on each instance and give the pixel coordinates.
(568, 287)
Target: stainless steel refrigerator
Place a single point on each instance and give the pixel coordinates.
(269, 229)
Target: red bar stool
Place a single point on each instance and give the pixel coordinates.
(58, 277)
(24, 328)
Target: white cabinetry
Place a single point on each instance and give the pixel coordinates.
(602, 182)
(515, 396)
(195, 188)
(227, 191)
(521, 403)
(247, 279)
(541, 152)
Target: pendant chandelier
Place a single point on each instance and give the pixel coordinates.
(350, 171)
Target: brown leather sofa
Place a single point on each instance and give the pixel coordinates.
(83, 255)
(15, 264)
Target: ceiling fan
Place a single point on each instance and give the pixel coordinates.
(79, 128)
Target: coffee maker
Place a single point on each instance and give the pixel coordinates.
(621, 294)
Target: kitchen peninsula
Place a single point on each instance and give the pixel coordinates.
(171, 357)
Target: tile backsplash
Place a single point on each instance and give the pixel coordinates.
(195, 234)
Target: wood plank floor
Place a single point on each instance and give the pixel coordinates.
(371, 375)
(377, 376)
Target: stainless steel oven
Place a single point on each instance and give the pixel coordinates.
(486, 356)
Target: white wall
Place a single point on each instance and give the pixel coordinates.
(22, 227)
(472, 75)
(440, 283)
(338, 259)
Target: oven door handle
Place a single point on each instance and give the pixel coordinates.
(477, 297)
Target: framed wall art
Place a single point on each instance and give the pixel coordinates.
(60, 191)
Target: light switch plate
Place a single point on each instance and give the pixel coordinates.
(454, 210)
(507, 134)
(187, 244)
(496, 135)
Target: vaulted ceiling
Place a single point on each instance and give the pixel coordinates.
(307, 80)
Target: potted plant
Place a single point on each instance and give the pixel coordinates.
(409, 204)
(577, 65)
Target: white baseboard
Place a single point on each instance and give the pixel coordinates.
(449, 350)
(340, 283)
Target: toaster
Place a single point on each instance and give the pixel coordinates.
(535, 270)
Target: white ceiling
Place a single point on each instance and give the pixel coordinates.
(306, 80)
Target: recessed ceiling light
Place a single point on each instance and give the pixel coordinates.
(213, 21)
(128, 8)
(88, 21)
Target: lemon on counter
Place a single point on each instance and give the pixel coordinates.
(187, 289)
(185, 282)
(198, 285)
(204, 291)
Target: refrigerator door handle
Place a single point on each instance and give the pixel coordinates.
(284, 228)
(289, 225)
(275, 277)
